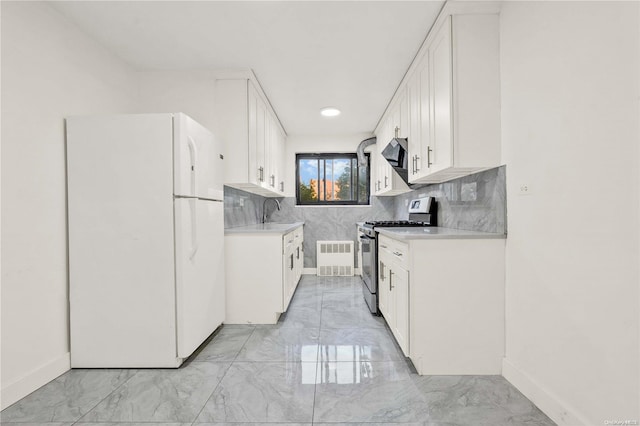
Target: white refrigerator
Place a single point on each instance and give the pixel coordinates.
(146, 235)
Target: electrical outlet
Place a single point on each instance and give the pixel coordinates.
(524, 189)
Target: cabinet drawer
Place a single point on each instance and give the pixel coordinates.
(385, 244)
(395, 249)
(288, 240)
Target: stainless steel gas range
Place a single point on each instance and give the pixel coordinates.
(422, 212)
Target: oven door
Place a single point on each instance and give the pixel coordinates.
(369, 276)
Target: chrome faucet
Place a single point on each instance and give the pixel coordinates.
(264, 205)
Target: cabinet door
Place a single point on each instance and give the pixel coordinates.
(279, 153)
(288, 286)
(377, 180)
(383, 288)
(424, 120)
(301, 261)
(252, 105)
(261, 140)
(275, 154)
(440, 151)
(414, 138)
(384, 168)
(396, 121)
(403, 109)
(385, 261)
(270, 152)
(399, 283)
(299, 258)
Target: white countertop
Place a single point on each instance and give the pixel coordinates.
(435, 232)
(264, 228)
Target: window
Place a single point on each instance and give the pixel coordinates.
(331, 179)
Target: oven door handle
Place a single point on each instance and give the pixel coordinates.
(366, 238)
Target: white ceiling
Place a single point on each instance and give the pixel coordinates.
(306, 55)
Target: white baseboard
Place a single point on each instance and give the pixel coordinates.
(33, 380)
(546, 400)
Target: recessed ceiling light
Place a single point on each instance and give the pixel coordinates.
(330, 111)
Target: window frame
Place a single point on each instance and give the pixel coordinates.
(333, 156)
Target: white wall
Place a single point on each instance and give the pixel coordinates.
(570, 86)
(190, 92)
(311, 144)
(49, 70)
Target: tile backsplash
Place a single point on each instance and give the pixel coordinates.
(321, 223)
(476, 202)
(331, 223)
(241, 208)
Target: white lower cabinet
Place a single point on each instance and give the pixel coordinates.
(443, 299)
(262, 273)
(393, 287)
(292, 263)
(399, 283)
(299, 254)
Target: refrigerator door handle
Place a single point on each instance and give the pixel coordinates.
(193, 152)
(194, 228)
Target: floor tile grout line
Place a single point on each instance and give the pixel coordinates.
(212, 392)
(244, 344)
(107, 396)
(323, 292)
(223, 376)
(315, 384)
(315, 387)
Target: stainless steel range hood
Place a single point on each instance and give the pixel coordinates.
(397, 154)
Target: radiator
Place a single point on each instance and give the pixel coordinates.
(334, 258)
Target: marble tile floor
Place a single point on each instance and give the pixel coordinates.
(327, 361)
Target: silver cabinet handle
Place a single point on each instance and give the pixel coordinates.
(382, 271)
(413, 165)
(391, 287)
(386, 178)
(298, 253)
(261, 174)
(292, 261)
(282, 186)
(397, 253)
(429, 150)
(273, 181)
(383, 246)
(416, 166)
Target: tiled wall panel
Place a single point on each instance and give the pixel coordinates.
(475, 202)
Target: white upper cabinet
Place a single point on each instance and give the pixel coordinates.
(252, 135)
(415, 135)
(452, 93)
(386, 181)
(439, 150)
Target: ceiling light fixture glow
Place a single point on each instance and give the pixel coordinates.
(330, 112)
